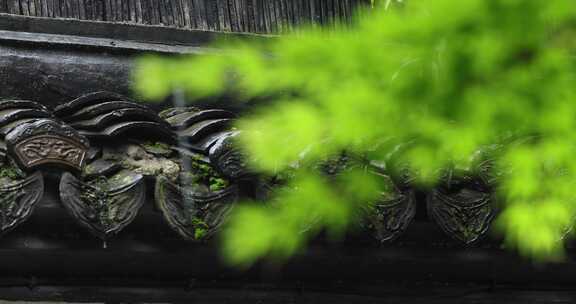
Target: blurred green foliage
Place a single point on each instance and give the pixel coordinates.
(450, 77)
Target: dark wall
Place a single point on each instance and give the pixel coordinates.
(56, 76)
(53, 61)
(53, 74)
(259, 16)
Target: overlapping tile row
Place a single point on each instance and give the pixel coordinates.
(31, 137)
(257, 16)
(131, 143)
(197, 203)
(107, 149)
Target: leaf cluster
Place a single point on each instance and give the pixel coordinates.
(440, 78)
